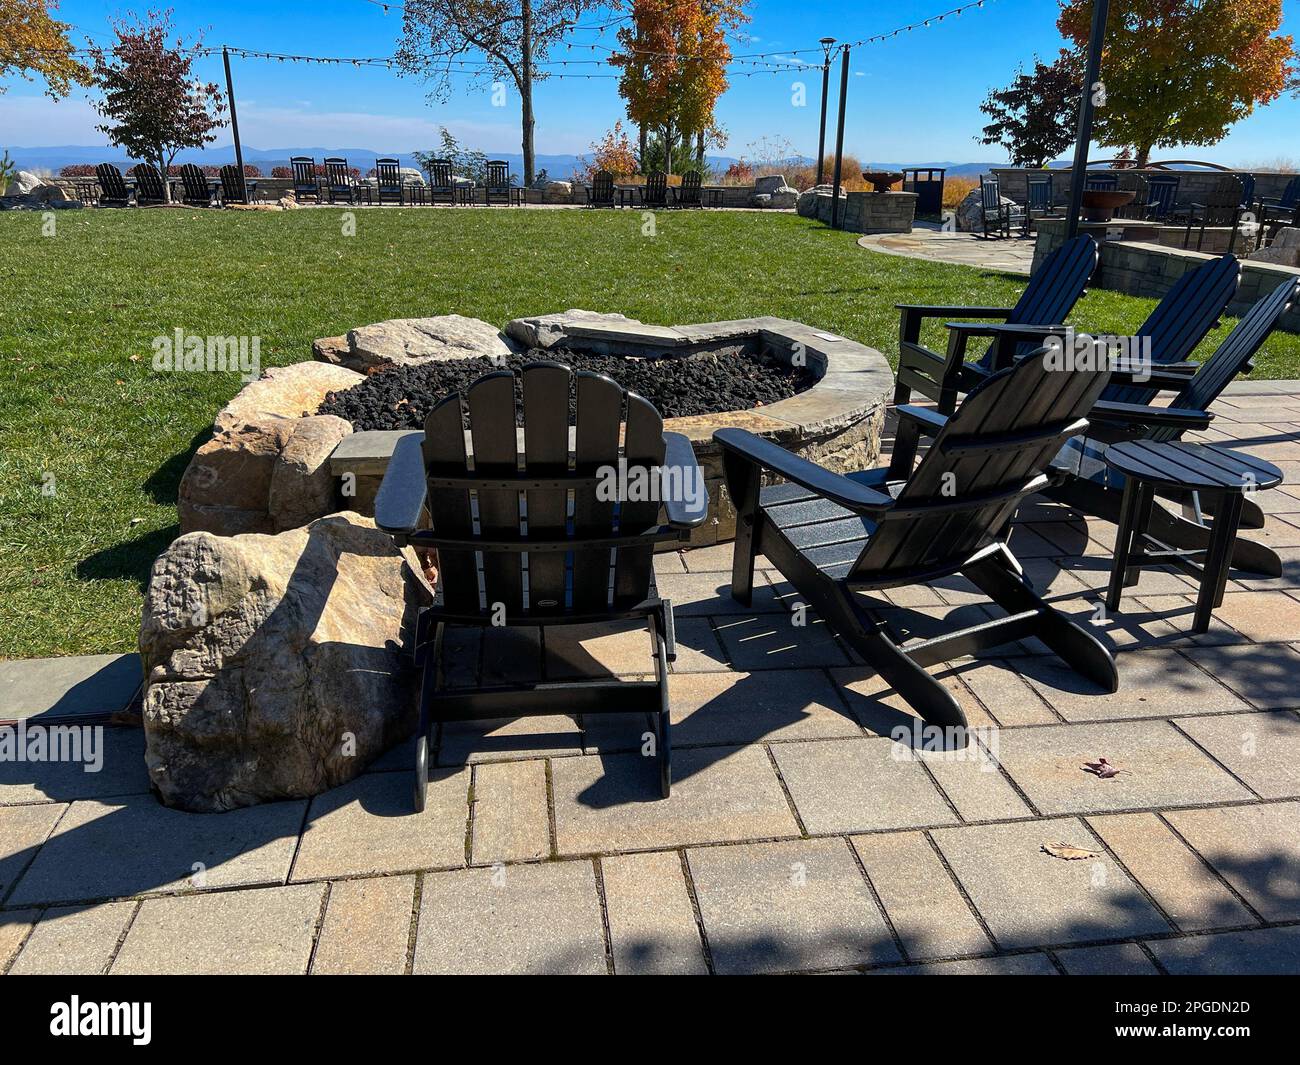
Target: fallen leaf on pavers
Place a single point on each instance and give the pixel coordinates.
(1069, 852)
(1101, 768)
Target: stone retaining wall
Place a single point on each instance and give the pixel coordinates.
(870, 212)
(1150, 270)
(1192, 184)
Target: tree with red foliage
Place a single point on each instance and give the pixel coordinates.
(153, 106)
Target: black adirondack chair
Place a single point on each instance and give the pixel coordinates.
(1161, 196)
(235, 187)
(655, 191)
(195, 190)
(497, 187)
(998, 216)
(1049, 297)
(573, 556)
(442, 183)
(835, 536)
(1091, 486)
(688, 193)
(113, 190)
(339, 183)
(1221, 206)
(1284, 210)
(1180, 321)
(600, 193)
(388, 178)
(305, 183)
(149, 188)
(1108, 182)
(1040, 200)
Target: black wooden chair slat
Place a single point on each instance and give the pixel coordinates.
(442, 182)
(234, 185)
(546, 452)
(688, 193)
(599, 418)
(338, 180)
(491, 401)
(655, 193)
(388, 181)
(601, 193)
(113, 189)
(305, 182)
(148, 184)
(194, 187)
(643, 448)
(450, 509)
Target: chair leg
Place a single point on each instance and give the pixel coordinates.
(743, 483)
(663, 725)
(1077, 647)
(431, 683)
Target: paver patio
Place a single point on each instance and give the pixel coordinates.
(801, 835)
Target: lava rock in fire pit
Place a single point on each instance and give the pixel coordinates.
(401, 397)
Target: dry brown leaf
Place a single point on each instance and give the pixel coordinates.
(1069, 852)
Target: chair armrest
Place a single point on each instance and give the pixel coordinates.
(925, 310)
(400, 500)
(832, 486)
(927, 421)
(685, 512)
(1137, 414)
(1154, 377)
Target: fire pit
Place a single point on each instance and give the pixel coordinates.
(818, 394)
(1100, 205)
(882, 180)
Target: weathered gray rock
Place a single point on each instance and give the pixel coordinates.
(272, 666)
(286, 392)
(409, 341)
(302, 488)
(558, 192)
(544, 330)
(762, 199)
(24, 182)
(970, 212)
(770, 183)
(783, 197)
(1283, 250)
(806, 201)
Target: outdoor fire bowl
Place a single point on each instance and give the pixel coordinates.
(1100, 205)
(835, 418)
(882, 180)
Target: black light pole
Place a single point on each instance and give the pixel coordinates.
(234, 120)
(826, 43)
(839, 137)
(1092, 70)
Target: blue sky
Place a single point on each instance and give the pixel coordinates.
(913, 98)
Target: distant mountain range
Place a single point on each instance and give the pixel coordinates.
(559, 167)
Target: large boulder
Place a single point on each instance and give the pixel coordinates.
(24, 183)
(411, 341)
(261, 475)
(970, 212)
(769, 184)
(1284, 249)
(558, 192)
(783, 197)
(272, 664)
(806, 201)
(286, 392)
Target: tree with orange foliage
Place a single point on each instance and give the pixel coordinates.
(31, 42)
(673, 60)
(1181, 71)
(613, 152)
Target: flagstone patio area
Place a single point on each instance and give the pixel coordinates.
(799, 836)
(1013, 255)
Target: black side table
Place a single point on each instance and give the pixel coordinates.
(1216, 474)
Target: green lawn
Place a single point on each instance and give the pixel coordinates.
(84, 416)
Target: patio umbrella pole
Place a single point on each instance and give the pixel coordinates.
(1092, 69)
(839, 137)
(234, 120)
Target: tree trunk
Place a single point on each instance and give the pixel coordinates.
(1143, 155)
(699, 149)
(526, 89)
(668, 148)
(644, 139)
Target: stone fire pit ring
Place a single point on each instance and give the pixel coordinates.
(836, 422)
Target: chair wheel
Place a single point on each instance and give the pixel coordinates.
(421, 771)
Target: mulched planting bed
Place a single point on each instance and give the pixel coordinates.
(401, 397)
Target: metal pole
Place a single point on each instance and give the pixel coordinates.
(1092, 70)
(839, 137)
(826, 43)
(234, 120)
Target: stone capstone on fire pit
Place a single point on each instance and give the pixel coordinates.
(272, 665)
(410, 341)
(265, 468)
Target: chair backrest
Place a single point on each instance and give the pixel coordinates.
(337, 174)
(1181, 319)
(988, 456)
(234, 189)
(111, 182)
(498, 174)
(990, 194)
(568, 508)
(1162, 193)
(689, 193)
(1040, 193)
(602, 187)
(1235, 355)
(656, 187)
(304, 174)
(1247, 180)
(1057, 284)
(1105, 182)
(148, 182)
(1223, 202)
(194, 182)
(1291, 194)
(440, 175)
(388, 173)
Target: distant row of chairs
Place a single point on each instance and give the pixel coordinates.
(1155, 200)
(335, 183)
(196, 188)
(655, 192)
